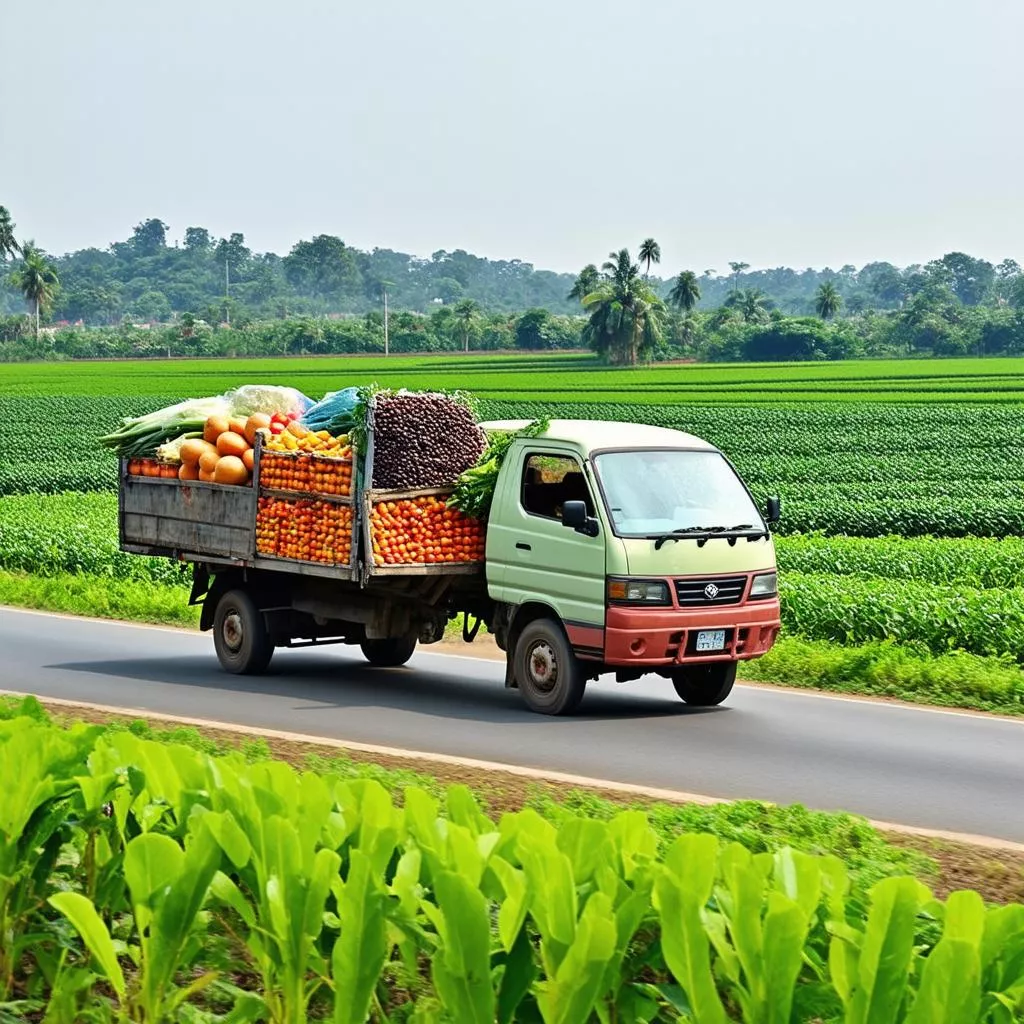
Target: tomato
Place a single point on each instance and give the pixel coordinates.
(276, 427)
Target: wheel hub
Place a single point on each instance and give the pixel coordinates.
(232, 630)
(543, 667)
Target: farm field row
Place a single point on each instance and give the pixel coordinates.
(535, 377)
(863, 470)
(75, 532)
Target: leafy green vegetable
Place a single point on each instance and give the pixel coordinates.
(474, 490)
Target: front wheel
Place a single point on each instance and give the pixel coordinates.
(549, 676)
(389, 653)
(705, 686)
(240, 635)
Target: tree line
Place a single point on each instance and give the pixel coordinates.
(210, 296)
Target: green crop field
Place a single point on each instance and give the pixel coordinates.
(152, 878)
(902, 482)
(541, 378)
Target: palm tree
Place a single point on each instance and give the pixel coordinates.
(465, 314)
(685, 292)
(625, 314)
(586, 281)
(751, 303)
(36, 279)
(8, 243)
(737, 268)
(650, 252)
(827, 301)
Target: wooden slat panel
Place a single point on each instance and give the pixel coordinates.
(198, 503)
(188, 537)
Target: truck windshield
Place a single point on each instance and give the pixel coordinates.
(650, 493)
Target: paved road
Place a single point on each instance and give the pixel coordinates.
(915, 767)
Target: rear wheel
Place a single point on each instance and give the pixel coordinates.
(704, 686)
(240, 635)
(389, 653)
(550, 678)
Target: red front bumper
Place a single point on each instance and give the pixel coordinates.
(667, 636)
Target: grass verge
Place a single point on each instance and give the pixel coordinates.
(869, 853)
(895, 671)
(101, 597)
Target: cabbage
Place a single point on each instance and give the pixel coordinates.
(268, 398)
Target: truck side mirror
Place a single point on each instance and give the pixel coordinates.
(574, 516)
(774, 509)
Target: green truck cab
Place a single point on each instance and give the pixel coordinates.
(610, 548)
(631, 549)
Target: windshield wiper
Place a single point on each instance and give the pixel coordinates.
(702, 533)
(684, 531)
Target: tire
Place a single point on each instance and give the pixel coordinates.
(390, 653)
(550, 678)
(705, 686)
(240, 635)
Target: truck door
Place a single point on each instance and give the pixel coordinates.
(548, 562)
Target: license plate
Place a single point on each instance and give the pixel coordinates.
(711, 640)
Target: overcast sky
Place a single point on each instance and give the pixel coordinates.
(796, 132)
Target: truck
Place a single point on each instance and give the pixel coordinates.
(609, 548)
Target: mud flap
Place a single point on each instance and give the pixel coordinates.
(510, 673)
(200, 583)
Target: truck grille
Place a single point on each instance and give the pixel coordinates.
(707, 592)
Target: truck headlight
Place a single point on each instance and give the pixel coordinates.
(638, 592)
(765, 584)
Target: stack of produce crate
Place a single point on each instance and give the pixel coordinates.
(419, 444)
(305, 510)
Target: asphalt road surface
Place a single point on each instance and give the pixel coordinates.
(922, 768)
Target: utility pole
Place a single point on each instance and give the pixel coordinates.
(227, 285)
(385, 321)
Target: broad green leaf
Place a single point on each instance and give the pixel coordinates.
(421, 819)
(326, 866)
(835, 881)
(233, 841)
(950, 989)
(83, 917)
(693, 860)
(569, 997)
(175, 917)
(464, 810)
(586, 843)
(512, 912)
(746, 880)
(228, 893)
(518, 977)
(378, 823)
(462, 968)
(360, 952)
(884, 961)
(684, 941)
(634, 840)
(463, 856)
(552, 889)
(965, 917)
(785, 931)
(798, 876)
(1002, 946)
(406, 883)
(152, 864)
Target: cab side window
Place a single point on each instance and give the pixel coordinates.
(549, 481)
